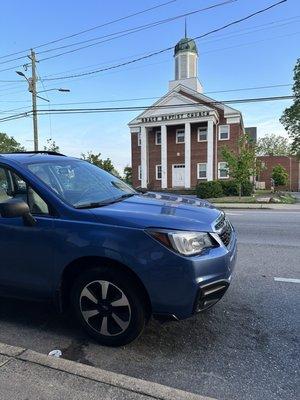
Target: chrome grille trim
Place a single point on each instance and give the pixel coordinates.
(224, 229)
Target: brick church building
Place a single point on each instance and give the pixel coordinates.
(177, 141)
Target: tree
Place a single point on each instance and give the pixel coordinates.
(280, 175)
(273, 145)
(96, 159)
(242, 164)
(128, 174)
(51, 146)
(9, 144)
(291, 116)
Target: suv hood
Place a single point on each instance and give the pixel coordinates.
(160, 211)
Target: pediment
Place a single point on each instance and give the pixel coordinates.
(172, 102)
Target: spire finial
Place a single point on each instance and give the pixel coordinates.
(185, 35)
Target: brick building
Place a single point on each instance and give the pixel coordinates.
(290, 163)
(177, 141)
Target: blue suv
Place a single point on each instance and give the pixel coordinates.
(78, 236)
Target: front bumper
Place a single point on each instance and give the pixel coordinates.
(209, 278)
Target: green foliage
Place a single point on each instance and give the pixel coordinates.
(241, 164)
(247, 188)
(96, 159)
(273, 145)
(128, 175)
(51, 146)
(280, 175)
(206, 190)
(9, 144)
(229, 187)
(291, 116)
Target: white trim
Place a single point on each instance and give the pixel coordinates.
(156, 172)
(219, 168)
(156, 132)
(139, 142)
(210, 150)
(144, 156)
(211, 116)
(219, 136)
(135, 129)
(198, 133)
(164, 155)
(198, 170)
(177, 130)
(173, 167)
(187, 155)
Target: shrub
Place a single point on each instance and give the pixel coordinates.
(247, 188)
(230, 188)
(280, 175)
(206, 190)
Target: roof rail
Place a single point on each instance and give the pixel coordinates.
(51, 153)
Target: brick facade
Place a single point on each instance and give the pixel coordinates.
(176, 152)
(292, 166)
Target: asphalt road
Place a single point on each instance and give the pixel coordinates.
(246, 347)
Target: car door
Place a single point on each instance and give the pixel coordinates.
(27, 254)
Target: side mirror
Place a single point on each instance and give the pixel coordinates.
(14, 208)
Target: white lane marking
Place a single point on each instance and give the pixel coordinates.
(259, 211)
(227, 213)
(290, 280)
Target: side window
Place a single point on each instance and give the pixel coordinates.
(12, 186)
(25, 192)
(5, 185)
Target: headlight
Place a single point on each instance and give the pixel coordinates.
(185, 243)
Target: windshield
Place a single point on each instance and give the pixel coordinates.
(80, 183)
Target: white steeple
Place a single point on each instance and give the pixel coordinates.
(186, 64)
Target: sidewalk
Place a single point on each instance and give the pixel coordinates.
(256, 206)
(25, 374)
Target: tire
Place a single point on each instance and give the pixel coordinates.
(109, 306)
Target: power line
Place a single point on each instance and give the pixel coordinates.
(217, 38)
(147, 98)
(93, 28)
(160, 62)
(171, 47)
(141, 108)
(126, 32)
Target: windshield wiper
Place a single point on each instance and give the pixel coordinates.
(106, 202)
(93, 205)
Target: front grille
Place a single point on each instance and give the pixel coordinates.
(220, 222)
(225, 235)
(224, 229)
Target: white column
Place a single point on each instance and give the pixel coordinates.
(164, 163)
(210, 150)
(187, 155)
(144, 158)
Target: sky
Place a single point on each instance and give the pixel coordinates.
(261, 51)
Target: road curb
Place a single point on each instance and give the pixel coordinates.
(244, 206)
(150, 389)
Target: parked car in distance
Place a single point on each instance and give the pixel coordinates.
(78, 236)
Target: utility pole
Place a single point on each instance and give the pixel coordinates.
(34, 94)
(32, 89)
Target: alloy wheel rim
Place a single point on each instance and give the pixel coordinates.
(105, 308)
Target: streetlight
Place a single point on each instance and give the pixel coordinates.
(58, 90)
(32, 89)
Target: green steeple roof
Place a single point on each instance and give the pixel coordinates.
(184, 45)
